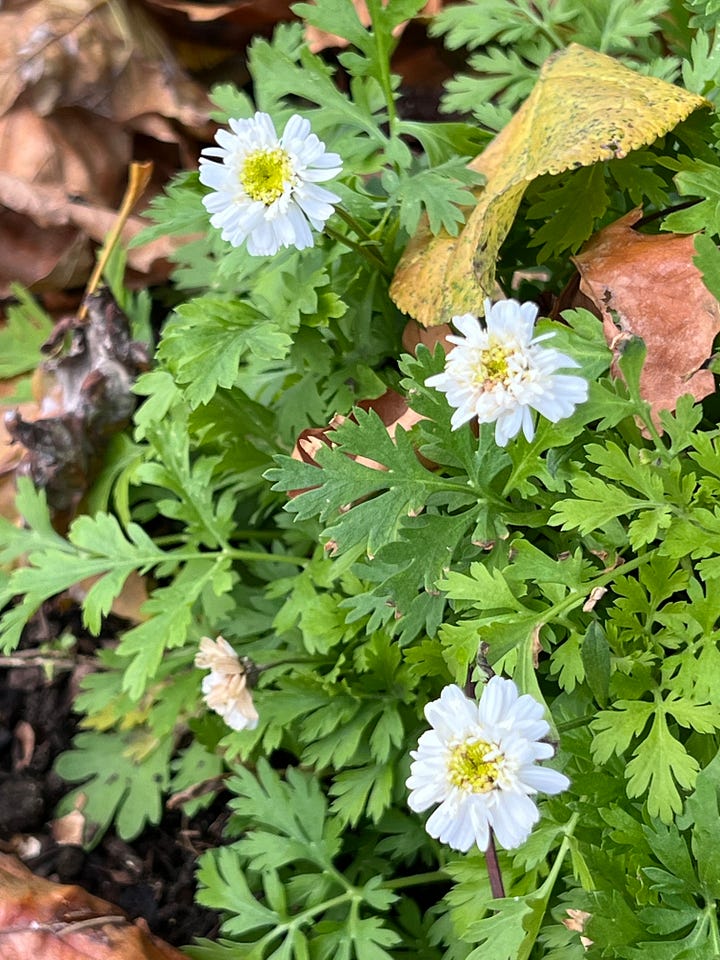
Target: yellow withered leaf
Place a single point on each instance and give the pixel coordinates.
(585, 107)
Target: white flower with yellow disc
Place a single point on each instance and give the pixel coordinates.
(499, 373)
(479, 763)
(265, 188)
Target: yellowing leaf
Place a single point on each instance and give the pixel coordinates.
(585, 107)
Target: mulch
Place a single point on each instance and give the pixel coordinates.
(152, 877)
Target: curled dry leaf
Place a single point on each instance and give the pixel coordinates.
(84, 86)
(415, 334)
(585, 107)
(106, 56)
(577, 919)
(39, 918)
(648, 285)
(595, 596)
(85, 399)
(48, 236)
(229, 26)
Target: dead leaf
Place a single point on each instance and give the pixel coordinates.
(70, 829)
(54, 921)
(596, 594)
(414, 334)
(106, 56)
(85, 86)
(230, 25)
(86, 399)
(657, 293)
(577, 919)
(585, 107)
(48, 238)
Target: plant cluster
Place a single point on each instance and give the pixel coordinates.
(354, 584)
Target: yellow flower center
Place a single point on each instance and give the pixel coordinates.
(492, 366)
(474, 767)
(265, 174)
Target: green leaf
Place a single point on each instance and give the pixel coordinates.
(596, 504)
(26, 328)
(115, 786)
(400, 489)
(707, 261)
(596, 662)
(697, 178)
(358, 790)
(223, 333)
(445, 141)
(659, 762)
(170, 619)
(440, 192)
(94, 546)
(293, 811)
(222, 886)
(569, 206)
(703, 806)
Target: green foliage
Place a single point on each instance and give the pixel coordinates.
(279, 888)
(26, 328)
(122, 781)
(518, 36)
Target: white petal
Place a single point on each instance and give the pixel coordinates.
(286, 221)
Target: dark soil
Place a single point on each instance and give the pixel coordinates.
(153, 877)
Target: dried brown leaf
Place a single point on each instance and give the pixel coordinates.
(106, 56)
(39, 918)
(86, 399)
(585, 107)
(52, 238)
(653, 288)
(84, 86)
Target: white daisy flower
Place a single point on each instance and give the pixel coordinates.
(264, 189)
(225, 688)
(498, 372)
(478, 762)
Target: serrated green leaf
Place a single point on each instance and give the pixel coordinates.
(116, 787)
(707, 261)
(222, 885)
(223, 333)
(697, 179)
(24, 331)
(703, 808)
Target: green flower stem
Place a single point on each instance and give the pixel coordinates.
(574, 724)
(417, 880)
(568, 830)
(250, 555)
(577, 597)
(258, 555)
(300, 919)
(372, 258)
(711, 911)
(353, 224)
(382, 42)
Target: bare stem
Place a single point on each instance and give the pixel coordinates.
(493, 867)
